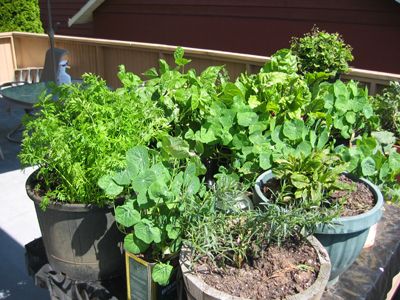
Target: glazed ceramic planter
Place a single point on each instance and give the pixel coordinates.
(197, 289)
(344, 241)
(81, 241)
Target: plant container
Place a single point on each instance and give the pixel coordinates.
(140, 285)
(344, 241)
(197, 289)
(81, 241)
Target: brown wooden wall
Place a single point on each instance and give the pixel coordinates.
(62, 11)
(260, 27)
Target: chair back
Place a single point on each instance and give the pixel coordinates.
(48, 70)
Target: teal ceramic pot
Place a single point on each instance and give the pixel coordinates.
(343, 242)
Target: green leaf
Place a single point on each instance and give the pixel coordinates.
(157, 190)
(193, 186)
(109, 186)
(265, 160)
(175, 146)
(142, 182)
(293, 129)
(135, 245)
(164, 67)
(299, 181)
(173, 231)
(247, 118)
(162, 273)
(151, 73)
(139, 157)
(127, 215)
(123, 177)
(368, 166)
(147, 232)
(351, 117)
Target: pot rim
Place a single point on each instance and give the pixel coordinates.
(317, 288)
(75, 207)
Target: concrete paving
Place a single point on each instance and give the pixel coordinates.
(18, 222)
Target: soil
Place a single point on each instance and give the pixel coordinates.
(358, 201)
(277, 274)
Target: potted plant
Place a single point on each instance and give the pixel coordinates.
(157, 187)
(320, 51)
(79, 133)
(312, 182)
(242, 254)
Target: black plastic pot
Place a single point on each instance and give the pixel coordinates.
(81, 241)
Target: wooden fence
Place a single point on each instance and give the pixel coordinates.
(23, 54)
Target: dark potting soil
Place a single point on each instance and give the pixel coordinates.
(357, 201)
(275, 273)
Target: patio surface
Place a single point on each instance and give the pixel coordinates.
(18, 222)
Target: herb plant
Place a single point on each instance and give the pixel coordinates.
(86, 133)
(320, 51)
(307, 181)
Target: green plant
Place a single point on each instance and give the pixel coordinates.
(159, 186)
(347, 109)
(84, 134)
(320, 51)
(186, 98)
(386, 108)
(308, 181)
(375, 159)
(20, 15)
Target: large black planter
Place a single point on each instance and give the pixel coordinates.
(81, 241)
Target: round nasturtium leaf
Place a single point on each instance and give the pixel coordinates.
(293, 129)
(127, 215)
(147, 232)
(161, 273)
(135, 245)
(109, 186)
(144, 179)
(368, 166)
(138, 156)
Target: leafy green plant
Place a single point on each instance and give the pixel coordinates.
(84, 134)
(375, 159)
(307, 181)
(158, 188)
(347, 109)
(320, 51)
(386, 108)
(185, 97)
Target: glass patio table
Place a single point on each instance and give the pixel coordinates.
(27, 95)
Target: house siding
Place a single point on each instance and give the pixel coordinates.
(61, 11)
(371, 27)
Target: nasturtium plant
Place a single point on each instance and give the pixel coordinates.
(157, 190)
(375, 159)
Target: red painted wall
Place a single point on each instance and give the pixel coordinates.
(62, 11)
(261, 27)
